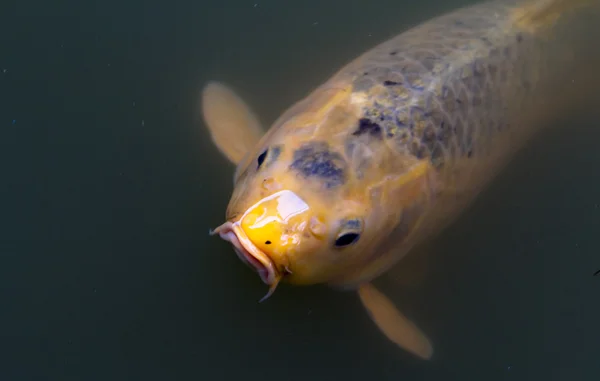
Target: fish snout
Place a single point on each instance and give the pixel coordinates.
(267, 235)
(275, 224)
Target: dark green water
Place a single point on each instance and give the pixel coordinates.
(110, 184)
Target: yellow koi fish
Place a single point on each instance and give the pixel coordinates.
(393, 147)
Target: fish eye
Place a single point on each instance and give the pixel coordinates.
(350, 232)
(346, 239)
(261, 158)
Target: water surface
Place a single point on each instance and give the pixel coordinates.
(107, 271)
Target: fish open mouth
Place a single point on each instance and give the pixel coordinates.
(250, 254)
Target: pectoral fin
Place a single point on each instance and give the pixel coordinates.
(233, 126)
(393, 324)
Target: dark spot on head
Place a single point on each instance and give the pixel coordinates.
(274, 152)
(352, 224)
(519, 37)
(261, 158)
(267, 242)
(393, 53)
(366, 73)
(315, 159)
(366, 126)
(390, 83)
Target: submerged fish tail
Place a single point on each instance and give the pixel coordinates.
(538, 14)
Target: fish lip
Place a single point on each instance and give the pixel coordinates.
(249, 253)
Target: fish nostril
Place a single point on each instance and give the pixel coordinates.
(267, 242)
(269, 184)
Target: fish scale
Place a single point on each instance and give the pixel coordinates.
(449, 84)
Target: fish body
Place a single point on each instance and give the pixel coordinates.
(395, 145)
(448, 102)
